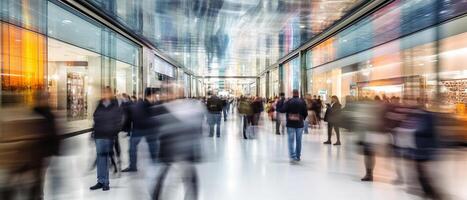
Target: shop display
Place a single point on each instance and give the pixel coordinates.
(76, 97)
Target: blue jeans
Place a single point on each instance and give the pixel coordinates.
(103, 150)
(224, 112)
(305, 126)
(214, 119)
(135, 139)
(295, 142)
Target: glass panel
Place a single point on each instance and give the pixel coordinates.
(70, 28)
(291, 76)
(75, 81)
(22, 55)
(29, 14)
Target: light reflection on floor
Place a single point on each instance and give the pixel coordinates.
(234, 168)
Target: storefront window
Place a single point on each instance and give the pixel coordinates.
(74, 81)
(291, 76)
(29, 14)
(23, 56)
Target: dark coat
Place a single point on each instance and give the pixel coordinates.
(142, 116)
(108, 121)
(293, 107)
(426, 140)
(215, 104)
(332, 114)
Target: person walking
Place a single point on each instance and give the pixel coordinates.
(296, 112)
(245, 110)
(317, 108)
(332, 116)
(215, 106)
(280, 118)
(257, 108)
(108, 121)
(143, 126)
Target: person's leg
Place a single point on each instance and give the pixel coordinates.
(298, 142)
(210, 119)
(156, 195)
(153, 146)
(338, 135)
(305, 126)
(218, 125)
(425, 181)
(329, 134)
(278, 123)
(245, 125)
(191, 183)
(369, 159)
(291, 134)
(224, 112)
(134, 141)
(103, 150)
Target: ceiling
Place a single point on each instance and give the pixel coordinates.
(226, 37)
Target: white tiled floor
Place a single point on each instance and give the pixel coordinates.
(253, 169)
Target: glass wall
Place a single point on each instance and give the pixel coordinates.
(291, 76)
(393, 53)
(262, 89)
(274, 82)
(47, 46)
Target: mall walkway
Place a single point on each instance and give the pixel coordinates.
(247, 169)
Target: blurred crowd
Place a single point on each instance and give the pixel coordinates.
(403, 129)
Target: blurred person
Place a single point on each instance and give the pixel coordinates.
(215, 106)
(28, 138)
(257, 108)
(180, 133)
(280, 114)
(296, 112)
(424, 146)
(270, 109)
(142, 115)
(225, 107)
(245, 110)
(332, 116)
(317, 108)
(370, 125)
(310, 103)
(108, 121)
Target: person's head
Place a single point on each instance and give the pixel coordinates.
(319, 97)
(334, 99)
(295, 93)
(377, 98)
(314, 96)
(107, 93)
(282, 95)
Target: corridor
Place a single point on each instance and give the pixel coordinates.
(234, 169)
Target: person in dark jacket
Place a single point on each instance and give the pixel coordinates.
(280, 114)
(296, 112)
(142, 115)
(214, 105)
(179, 135)
(257, 108)
(108, 121)
(332, 116)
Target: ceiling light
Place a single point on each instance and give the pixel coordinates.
(302, 26)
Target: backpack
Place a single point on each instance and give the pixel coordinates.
(244, 107)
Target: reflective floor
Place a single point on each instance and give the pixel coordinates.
(234, 168)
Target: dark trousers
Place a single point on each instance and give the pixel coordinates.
(190, 181)
(425, 181)
(153, 146)
(336, 129)
(245, 125)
